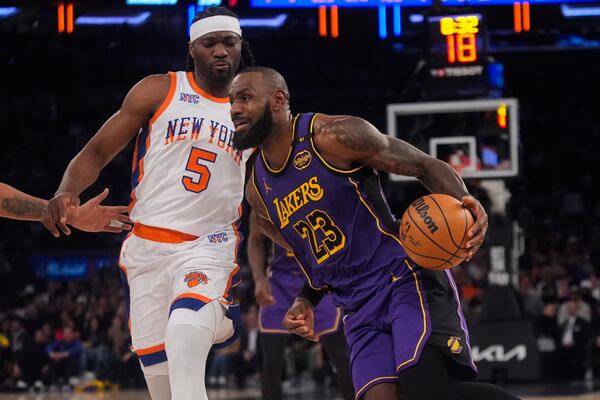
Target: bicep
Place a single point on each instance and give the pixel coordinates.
(399, 157)
(359, 141)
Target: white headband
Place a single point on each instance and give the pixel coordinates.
(215, 23)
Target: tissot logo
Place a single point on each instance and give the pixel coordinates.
(497, 353)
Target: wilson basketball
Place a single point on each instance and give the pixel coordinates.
(434, 231)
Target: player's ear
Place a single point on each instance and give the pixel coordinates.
(278, 100)
(190, 46)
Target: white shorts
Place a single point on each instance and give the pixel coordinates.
(164, 270)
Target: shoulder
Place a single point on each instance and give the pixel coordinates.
(148, 94)
(154, 85)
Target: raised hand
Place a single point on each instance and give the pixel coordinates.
(55, 215)
(93, 217)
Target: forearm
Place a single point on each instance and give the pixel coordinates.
(81, 173)
(272, 233)
(257, 257)
(440, 177)
(15, 204)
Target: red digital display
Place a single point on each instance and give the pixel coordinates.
(461, 37)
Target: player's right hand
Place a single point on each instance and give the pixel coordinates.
(262, 292)
(56, 215)
(300, 320)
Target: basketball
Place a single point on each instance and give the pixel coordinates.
(434, 230)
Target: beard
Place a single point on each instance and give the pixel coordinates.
(256, 134)
(220, 77)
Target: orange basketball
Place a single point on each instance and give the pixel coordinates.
(434, 231)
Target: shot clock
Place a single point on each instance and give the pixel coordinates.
(455, 53)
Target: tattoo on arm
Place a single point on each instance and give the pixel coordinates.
(365, 144)
(356, 134)
(371, 147)
(24, 208)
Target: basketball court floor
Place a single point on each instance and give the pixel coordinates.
(551, 391)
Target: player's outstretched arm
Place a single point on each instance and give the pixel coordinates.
(94, 217)
(346, 139)
(137, 108)
(257, 258)
(15, 204)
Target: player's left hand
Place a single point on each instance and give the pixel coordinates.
(477, 231)
(93, 217)
(300, 320)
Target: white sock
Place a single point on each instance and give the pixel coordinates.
(158, 385)
(189, 337)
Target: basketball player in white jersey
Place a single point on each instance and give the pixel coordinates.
(88, 217)
(180, 260)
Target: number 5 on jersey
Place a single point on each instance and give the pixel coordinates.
(195, 164)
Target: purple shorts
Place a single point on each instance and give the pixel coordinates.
(285, 286)
(388, 333)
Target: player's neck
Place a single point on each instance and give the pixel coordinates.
(277, 146)
(220, 90)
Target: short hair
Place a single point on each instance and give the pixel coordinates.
(275, 79)
(247, 58)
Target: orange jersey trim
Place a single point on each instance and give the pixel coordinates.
(202, 92)
(161, 235)
(230, 280)
(165, 103)
(196, 296)
(150, 350)
(161, 109)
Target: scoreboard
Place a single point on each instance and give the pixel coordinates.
(456, 54)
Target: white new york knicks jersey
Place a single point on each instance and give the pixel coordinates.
(187, 176)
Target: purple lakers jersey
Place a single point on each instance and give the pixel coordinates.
(336, 221)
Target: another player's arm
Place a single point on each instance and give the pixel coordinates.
(300, 317)
(89, 217)
(15, 204)
(138, 107)
(257, 258)
(346, 139)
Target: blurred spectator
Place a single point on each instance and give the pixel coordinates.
(96, 354)
(246, 361)
(582, 309)
(65, 357)
(574, 335)
(34, 362)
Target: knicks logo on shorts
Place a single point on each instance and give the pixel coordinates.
(454, 344)
(302, 160)
(195, 278)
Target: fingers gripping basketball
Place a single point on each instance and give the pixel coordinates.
(434, 231)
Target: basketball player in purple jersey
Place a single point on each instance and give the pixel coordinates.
(275, 292)
(316, 191)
